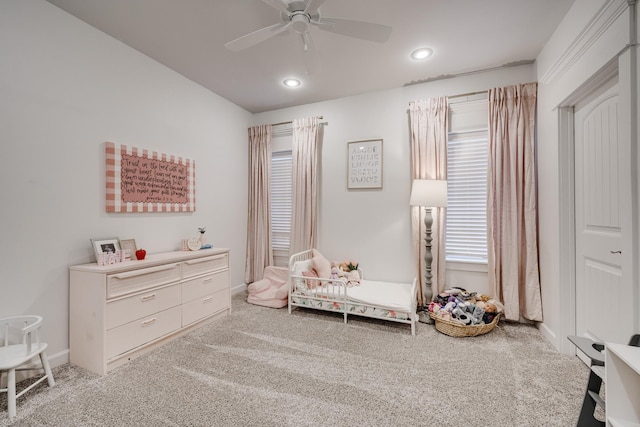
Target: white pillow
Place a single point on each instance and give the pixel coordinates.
(300, 266)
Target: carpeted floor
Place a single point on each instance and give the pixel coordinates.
(263, 367)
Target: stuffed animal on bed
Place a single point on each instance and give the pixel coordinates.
(334, 272)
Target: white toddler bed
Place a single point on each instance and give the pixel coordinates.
(380, 300)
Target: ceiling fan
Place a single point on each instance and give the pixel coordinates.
(300, 16)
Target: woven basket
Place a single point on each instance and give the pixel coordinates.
(456, 329)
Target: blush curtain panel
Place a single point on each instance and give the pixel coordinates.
(428, 126)
(259, 253)
(304, 217)
(512, 203)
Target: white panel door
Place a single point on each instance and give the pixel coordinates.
(604, 288)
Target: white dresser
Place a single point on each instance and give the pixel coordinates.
(120, 311)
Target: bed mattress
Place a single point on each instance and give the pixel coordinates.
(392, 296)
(387, 295)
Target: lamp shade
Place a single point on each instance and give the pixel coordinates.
(430, 193)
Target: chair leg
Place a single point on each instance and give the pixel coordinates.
(47, 369)
(11, 393)
(586, 418)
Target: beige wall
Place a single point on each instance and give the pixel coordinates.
(65, 89)
(373, 226)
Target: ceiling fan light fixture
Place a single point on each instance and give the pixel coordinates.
(292, 83)
(421, 53)
(300, 22)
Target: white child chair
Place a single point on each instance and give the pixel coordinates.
(21, 339)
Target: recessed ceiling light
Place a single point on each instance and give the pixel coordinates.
(422, 53)
(291, 82)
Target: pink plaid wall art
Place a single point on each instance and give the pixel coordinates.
(143, 181)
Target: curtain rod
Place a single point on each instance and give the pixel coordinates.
(468, 94)
(291, 122)
(463, 94)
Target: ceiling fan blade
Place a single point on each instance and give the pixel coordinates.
(309, 54)
(360, 30)
(280, 5)
(312, 6)
(256, 37)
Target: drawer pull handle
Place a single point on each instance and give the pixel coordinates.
(207, 299)
(198, 261)
(148, 322)
(145, 271)
(207, 280)
(148, 297)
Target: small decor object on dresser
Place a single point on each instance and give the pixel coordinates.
(105, 246)
(129, 247)
(140, 254)
(203, 239)
(194, 243)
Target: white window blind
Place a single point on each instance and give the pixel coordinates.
(467, 151)
(281, 201)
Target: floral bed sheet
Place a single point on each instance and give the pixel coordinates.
(362, 310)
(382, 300)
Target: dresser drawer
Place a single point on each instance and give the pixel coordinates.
(133, 281)
(198, 266)
(204, 285)
(144, 304)
(204, 306)
(136, 333)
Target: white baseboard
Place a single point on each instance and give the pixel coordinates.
(34, 368)
(238, 288)
(550, 335)
(59, 358)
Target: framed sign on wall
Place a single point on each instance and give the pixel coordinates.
(145, 181)
(364, 164)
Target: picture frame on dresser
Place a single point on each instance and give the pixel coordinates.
(129, 245)
(105, 245)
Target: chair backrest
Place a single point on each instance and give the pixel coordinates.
(23, 329)
(635, 340)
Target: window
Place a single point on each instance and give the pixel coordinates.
(281, 162)
(467, 151)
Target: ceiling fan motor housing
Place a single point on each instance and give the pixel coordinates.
(300, 22)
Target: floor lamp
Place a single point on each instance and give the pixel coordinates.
(428, 193)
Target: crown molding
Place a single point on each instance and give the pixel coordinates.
(597, 26)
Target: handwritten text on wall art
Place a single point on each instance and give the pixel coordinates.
(143, 181)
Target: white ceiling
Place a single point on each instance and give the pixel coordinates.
(188, 36)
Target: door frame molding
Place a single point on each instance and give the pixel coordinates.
(566, 177)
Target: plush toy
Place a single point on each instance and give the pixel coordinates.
(444, 315)
(490, 308)
(434, 307)
(498, 304)
(334, 272)
(461, 316)
(482, 297)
